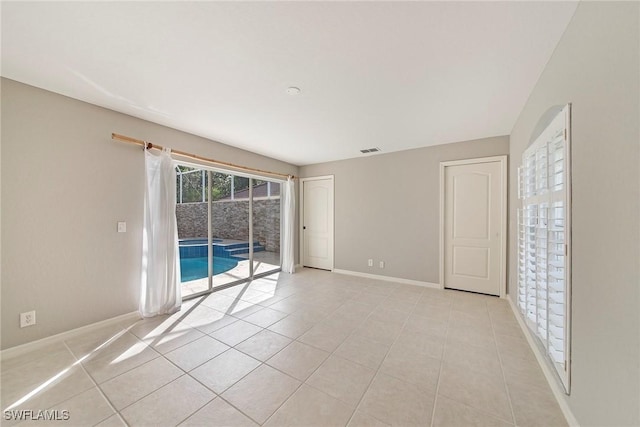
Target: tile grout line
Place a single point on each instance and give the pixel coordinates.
(444, 349)
(219, 395)
(492, 414)
(284, 373)
(314, 371)
(355, 408)
(165, 385)
(504, 377)
(303, 381)
(97, 386)
(160, 355)
(253, 370)
(275, 368)
(151, 392)
(215, 396)
(276, 410)
(375, 375)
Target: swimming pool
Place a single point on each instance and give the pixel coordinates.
(196, 267)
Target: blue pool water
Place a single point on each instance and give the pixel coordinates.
(196, 268)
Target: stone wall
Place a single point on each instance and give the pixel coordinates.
(266, 223)
(192, 220)
(230, 221)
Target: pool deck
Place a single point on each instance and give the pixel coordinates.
(263, 261)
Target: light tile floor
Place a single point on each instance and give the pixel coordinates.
(313, 348)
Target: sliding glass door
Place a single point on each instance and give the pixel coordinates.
(266, 226)
(193, 233)
(229, 228)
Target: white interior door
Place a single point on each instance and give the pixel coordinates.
(317, 223)
(474, 215)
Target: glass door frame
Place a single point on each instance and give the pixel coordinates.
(210, 256)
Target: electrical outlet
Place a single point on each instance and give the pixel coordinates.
(122, 227)
(27, 319)
(370, 262)
(381, 264)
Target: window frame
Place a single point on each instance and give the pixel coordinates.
(541, 195)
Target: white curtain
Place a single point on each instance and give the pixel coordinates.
(289, 207)
(160, 284)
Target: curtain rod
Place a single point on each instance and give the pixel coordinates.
(149, 146)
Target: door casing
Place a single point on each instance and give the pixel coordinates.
(503, 207)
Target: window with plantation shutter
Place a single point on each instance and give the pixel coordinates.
(544, 241)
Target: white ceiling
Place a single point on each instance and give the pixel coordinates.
(393, 75)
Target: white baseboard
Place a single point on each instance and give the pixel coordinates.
(556, 388)
(389, 279)
(34, 345)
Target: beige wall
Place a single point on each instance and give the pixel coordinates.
(595, 67)
(387, 207)
(65, 184)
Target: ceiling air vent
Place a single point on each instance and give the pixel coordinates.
(369, 150)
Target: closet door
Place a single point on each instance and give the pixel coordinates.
(317, 222)
(474, 220)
